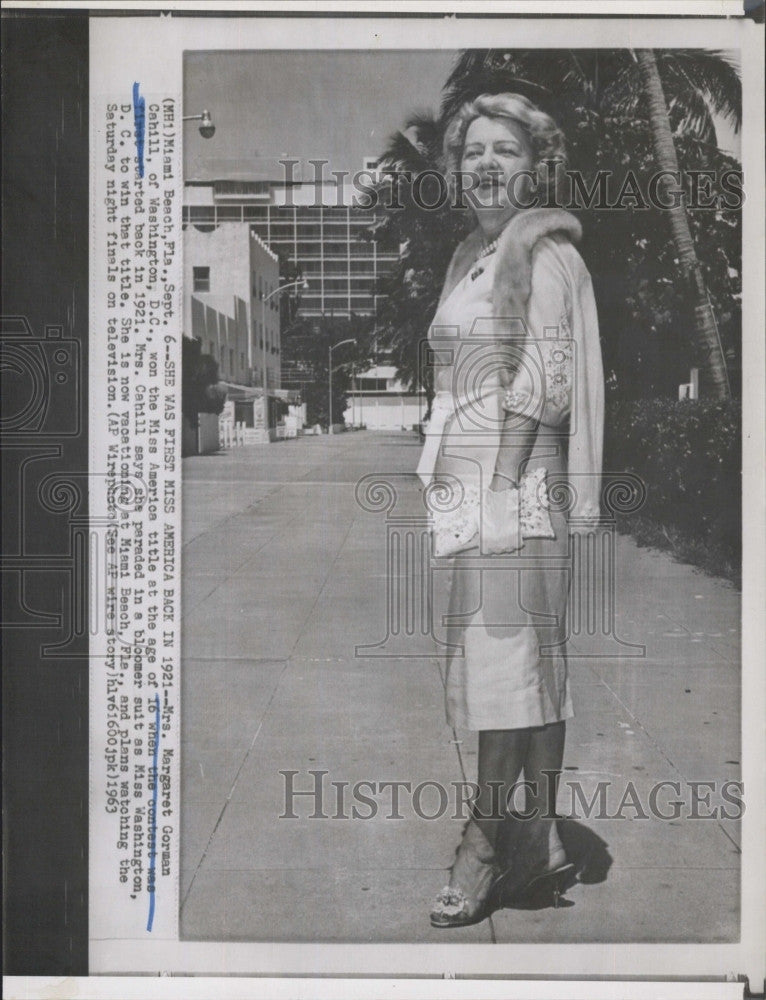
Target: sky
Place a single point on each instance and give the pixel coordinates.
(340, 106)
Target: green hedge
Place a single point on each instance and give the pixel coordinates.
(688, 454)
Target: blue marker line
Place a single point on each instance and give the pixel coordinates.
(153, 824)
(139, 123)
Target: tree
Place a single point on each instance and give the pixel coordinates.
(665, 154)
(305, 361)
(648, 333)
(649, 330)
(427, 239)
(201, 391)
(698, 84)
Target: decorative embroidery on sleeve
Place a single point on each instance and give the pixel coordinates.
(550, 397)
(557, 359)
(516, 401)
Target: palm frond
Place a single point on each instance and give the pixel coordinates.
(405, 153)
(709, 72)
(488, 79)
(622, 93)
(691, 116)
(468, 63)
(427, 131)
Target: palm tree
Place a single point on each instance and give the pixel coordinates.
(699, 84)
(427, 239)
(705, 325)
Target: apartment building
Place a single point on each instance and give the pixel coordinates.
(229, 273)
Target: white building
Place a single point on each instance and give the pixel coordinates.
(313, 226)
(379, 401)
(317, 228)
(228, 274)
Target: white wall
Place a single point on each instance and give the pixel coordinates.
(224, 315)
(224, 318)
(384, 411)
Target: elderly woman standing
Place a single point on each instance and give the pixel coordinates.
(517, 417)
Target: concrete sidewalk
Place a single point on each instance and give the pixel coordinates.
(285, 575)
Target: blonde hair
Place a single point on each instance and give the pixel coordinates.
(545, 137)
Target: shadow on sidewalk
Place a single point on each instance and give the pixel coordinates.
(586, 852)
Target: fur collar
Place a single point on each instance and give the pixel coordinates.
(513, 271)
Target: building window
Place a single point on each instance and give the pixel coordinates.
(201, 278)
(202, 213)
(336, 249)
(372, 384)
(335, 213)
(309, 232)
(336, 284)
(229, 213)
(336, 267)
(231, 360)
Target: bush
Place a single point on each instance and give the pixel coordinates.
(688, 454)
(201, 390)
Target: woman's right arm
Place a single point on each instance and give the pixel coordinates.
(517, 439)
(541, 389)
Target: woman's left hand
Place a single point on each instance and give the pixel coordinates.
(499, 527)
(500, 483)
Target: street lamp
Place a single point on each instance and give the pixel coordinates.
(264, 299)
(206, 127)
(348, 340)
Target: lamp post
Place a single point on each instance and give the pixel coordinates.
(348, 340)
(264, 299)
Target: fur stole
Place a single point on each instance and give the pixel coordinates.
(513, 271)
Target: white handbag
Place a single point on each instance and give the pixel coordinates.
(493, 521)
